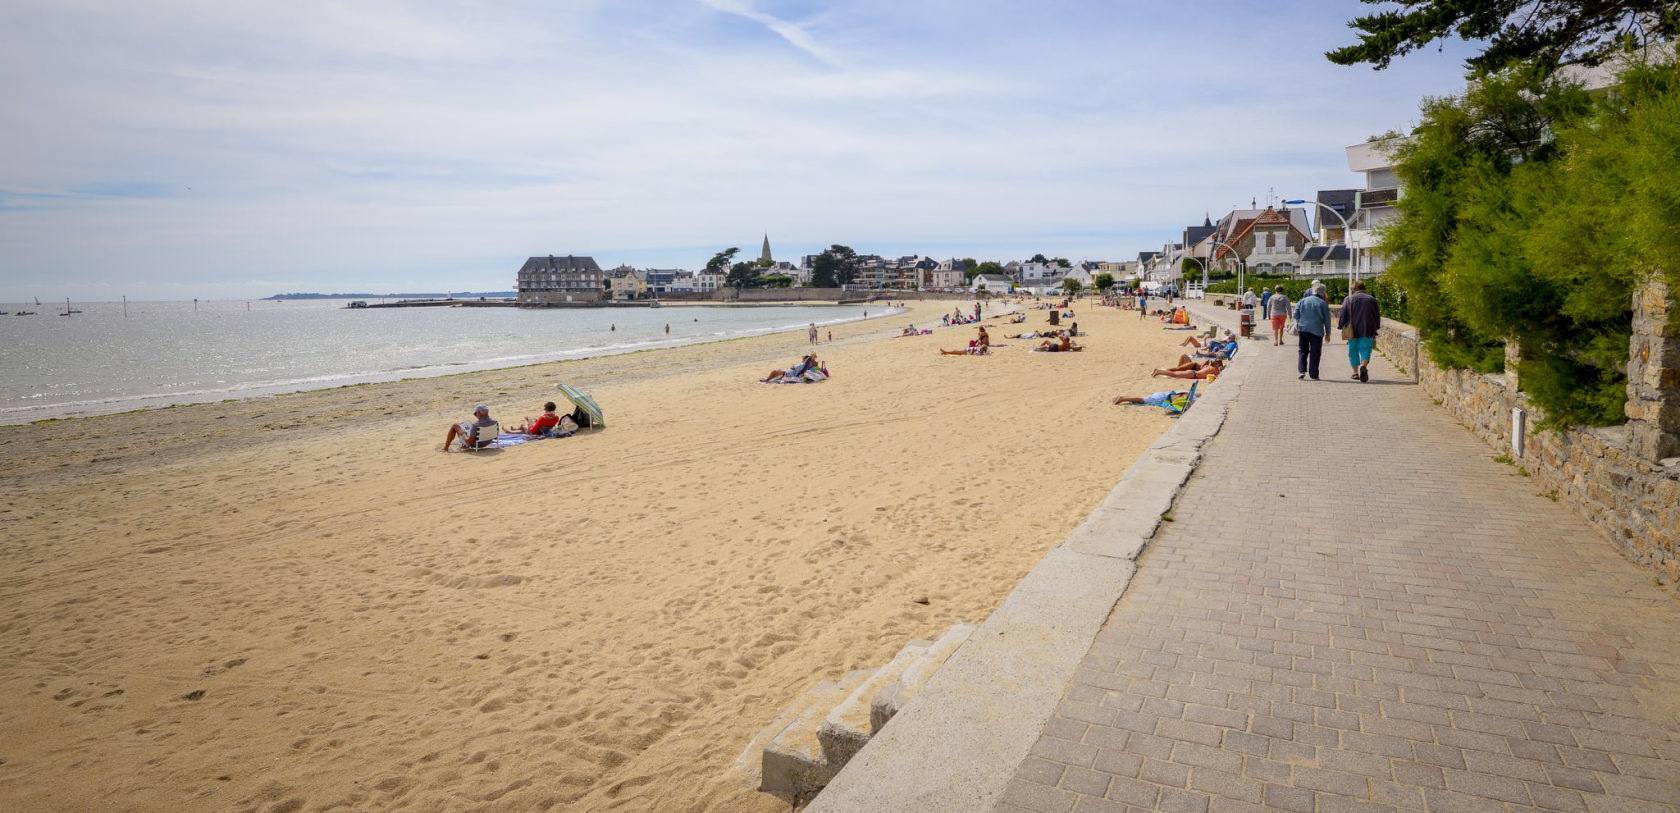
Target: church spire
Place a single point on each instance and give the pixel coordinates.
(764, 255)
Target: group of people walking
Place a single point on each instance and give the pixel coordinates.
(1359, 320)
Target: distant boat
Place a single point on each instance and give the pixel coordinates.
(655, 304)
(24, 313)
(357, 304)
(67, 309)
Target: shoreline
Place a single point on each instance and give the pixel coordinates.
(300, 598)
(146, 403)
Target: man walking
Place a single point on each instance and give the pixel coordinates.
(1361, 313)
(812, 332)
(1312, 321)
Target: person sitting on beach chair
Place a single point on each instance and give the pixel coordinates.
(792, 373)
(474, 434)
(1217, 350)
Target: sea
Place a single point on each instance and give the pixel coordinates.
(116, 357)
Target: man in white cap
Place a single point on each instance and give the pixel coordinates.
(468, 432)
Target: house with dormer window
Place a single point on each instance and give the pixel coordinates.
(1265, 241)
(554, 280)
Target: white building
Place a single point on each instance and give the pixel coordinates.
(1374, 204)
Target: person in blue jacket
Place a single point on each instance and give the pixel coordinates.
(1312, 322)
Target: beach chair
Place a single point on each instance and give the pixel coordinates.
(1176, 406)
(486, 438)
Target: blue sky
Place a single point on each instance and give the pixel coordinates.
(176, 150)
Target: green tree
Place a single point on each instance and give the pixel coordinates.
(834, 267)
(1544, 34)
(825, 271)
(1061, 261)
(743, 275)
(719, 263)
(1039, 258)
(848, 263)
(1071, 286)
(1103, 281)
(988, 267)
(1532, 211)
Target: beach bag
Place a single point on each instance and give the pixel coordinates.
(580, 417)
(1347, 331)
(1290, 328)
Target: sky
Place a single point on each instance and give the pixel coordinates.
(180, 149)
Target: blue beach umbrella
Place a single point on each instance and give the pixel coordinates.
(582, 400)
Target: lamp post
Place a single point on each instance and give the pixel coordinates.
(1203, 263)
(1347, 235)
(1239, 263)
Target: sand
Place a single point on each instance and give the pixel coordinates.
(298, 603)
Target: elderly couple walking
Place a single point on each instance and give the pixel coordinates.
(1359, 321)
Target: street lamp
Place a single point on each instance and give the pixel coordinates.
(1347, 234)
(1234, 253)
(1203, 263)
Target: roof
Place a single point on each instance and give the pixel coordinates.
(566, 263)
(1341, 201)
(1315, 254)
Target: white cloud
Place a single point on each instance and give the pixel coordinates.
(426, 145)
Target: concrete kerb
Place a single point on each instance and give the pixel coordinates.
(956, 745)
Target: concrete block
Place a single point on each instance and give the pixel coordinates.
(886, 705)
(956, 744)
(793, 765)
(848, 726)
(1115, 532)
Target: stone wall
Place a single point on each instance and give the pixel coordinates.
(1633, 501)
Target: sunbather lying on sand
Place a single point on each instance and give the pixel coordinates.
(977, 347)
(1061, 345)
(1198, 343)
(1212, 369)
(1152, 399)
(1192, 363)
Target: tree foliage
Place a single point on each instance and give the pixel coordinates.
(743, 275)
(834, 267)
(719, 263)
(1538, 33)
(1532, 211)
(1103, 281)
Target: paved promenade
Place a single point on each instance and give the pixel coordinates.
(1355, 608)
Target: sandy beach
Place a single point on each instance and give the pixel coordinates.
(298, 603)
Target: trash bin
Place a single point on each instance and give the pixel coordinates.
(1246, 321)
(1055, 316)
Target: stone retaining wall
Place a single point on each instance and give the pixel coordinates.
(1633, 502)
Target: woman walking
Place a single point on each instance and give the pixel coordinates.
(1360, 320)
(1277, 307)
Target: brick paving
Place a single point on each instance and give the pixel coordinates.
(1356, 608)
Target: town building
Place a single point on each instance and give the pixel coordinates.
(554, 280)
(1374, 205)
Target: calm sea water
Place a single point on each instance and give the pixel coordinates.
(100, 361)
